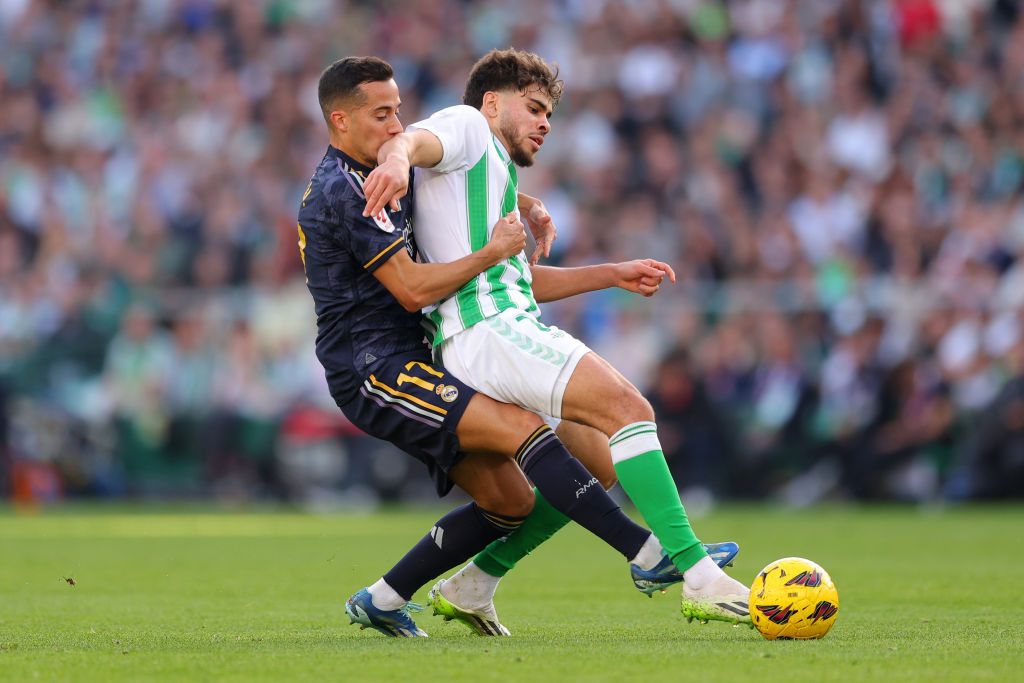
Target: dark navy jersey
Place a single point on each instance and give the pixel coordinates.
(358, 319)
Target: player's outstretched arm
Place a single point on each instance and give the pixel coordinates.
(643, 276)
(417, 285)
(389, 182)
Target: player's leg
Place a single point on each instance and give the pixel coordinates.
(495, 483)
(518, 439)
(515, 358)
(473, 587)
(469, 594)
(598, 395)
(561, 480)
(565, 489)
(418, 408)
(502, 498)
(590, 447)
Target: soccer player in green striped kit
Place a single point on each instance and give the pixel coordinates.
(489, 333)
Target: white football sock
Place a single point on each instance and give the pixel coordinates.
(384, 596)
(471, 588)
(649, 555)
(702, 573)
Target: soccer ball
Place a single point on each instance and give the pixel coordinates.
(793, 598)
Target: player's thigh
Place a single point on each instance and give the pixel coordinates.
(599, 396)
(417, 406)
(489, 426)
(590, 447)
(496, 483)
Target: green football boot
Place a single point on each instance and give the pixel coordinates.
(724, 599)
(482, 622)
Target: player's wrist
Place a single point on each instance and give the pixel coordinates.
(489, 252)
(396, 157)
(525, 202)
(610, 275)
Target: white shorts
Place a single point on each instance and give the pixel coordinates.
(514, 358)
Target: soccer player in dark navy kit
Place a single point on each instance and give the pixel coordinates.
(368, 290)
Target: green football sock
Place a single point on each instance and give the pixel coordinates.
(540, 525)
(644, 476)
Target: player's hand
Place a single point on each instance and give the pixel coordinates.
(508, 237)
(643, 276)
(543, 230)
(386, 184)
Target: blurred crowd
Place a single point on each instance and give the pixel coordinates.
(837, 184)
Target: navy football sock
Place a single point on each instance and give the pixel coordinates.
(455, 538)
(576, 493)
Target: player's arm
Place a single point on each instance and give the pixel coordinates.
(389, 182)
(642, 276)
(416, 285)
(453, 139)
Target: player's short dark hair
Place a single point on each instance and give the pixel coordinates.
(511, 69)
(341, 80)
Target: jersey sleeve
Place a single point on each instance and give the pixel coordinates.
(464, 136)
(372, 240)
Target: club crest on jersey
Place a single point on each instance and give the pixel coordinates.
(447, 392)
(383, 221)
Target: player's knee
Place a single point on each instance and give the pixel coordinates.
(522, 503)
(527, 421)
(490, 426)
(632, 406)
(522, 423)
(516, 501)
(642, 408)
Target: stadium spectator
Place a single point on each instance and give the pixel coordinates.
(837, 183)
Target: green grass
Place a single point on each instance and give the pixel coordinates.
(925, 596)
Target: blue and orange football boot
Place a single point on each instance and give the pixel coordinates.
(395, 623)
(666, 574)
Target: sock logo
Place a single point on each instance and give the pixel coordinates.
(583, 489)
(437, 533)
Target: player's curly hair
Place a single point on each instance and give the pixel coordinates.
(341, 80)
(511, 69)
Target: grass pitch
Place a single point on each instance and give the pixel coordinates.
(925, 596)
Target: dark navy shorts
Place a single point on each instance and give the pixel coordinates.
(416, 405)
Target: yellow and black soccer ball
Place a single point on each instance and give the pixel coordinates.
(793, 598)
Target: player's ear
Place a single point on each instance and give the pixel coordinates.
(490, 104)
(339, 119)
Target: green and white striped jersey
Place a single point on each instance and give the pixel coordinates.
(456, 205)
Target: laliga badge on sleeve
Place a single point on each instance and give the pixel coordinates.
(383, 221)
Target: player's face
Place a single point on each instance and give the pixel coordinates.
(524, 122)
(375, 121)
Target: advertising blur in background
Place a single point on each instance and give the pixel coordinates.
(837, 184)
